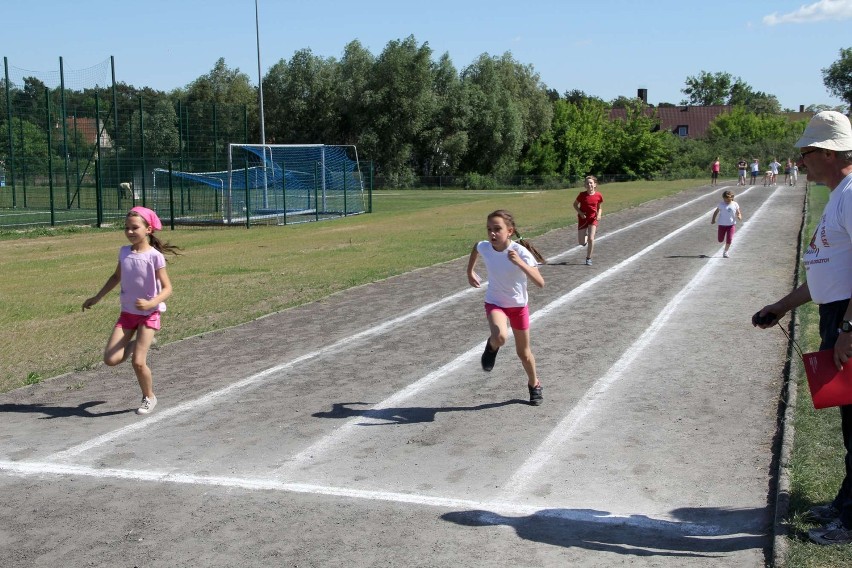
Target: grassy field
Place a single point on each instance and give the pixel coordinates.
(816, 467)
(228, 276)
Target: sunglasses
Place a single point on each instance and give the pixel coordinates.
(811, 151)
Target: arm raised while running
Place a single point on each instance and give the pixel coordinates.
(111, 283)
(532, 272)
(472, 276)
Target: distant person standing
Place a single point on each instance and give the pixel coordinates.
(742, 169)
(755, 171)
(728, 212)
(773, 169)
(715, 167)
(788, 170)
(589, 211)
(794, 174)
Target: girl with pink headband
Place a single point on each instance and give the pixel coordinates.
(145, 286)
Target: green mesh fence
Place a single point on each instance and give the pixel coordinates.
(75, 148)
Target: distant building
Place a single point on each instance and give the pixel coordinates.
(88, 130)
(683, 121)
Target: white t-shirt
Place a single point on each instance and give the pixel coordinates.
(828, 258)
(727, 213)
(507, 284)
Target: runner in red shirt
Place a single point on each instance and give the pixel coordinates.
(589, 212)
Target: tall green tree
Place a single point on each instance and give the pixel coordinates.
(301, 100)
(837, 77)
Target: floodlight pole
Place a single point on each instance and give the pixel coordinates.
(260, 96)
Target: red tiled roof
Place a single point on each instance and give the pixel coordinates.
(696, 119)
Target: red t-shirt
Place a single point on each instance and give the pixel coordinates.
(589, 204)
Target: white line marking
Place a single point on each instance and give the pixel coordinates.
(209, 398)
(487, 510)
(598, 390)
(333, 438)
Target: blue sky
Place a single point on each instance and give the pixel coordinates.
(605, 48)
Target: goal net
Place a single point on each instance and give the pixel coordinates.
(294, 180)
(273, 183)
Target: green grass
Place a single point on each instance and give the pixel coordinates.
(816, 466)
(228, 276)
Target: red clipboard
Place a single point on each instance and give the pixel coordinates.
(829, 387)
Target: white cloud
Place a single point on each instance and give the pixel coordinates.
(823, 10)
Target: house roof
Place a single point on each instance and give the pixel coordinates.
(696, 119)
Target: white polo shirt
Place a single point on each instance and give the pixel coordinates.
(828, 257)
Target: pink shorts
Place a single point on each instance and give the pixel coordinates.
(726, 233)
(519, 318)
(132, 321)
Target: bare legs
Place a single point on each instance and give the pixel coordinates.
(586, 237)
(121, 345)
(499, 325)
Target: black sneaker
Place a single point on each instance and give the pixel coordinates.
(823, 513)
(536, 397)
(489, 356)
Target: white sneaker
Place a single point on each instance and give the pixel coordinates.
(724, 255)
(147, 405)
(588, 262)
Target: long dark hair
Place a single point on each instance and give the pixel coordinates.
(510, 222)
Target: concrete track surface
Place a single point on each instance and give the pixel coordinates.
(361, 431)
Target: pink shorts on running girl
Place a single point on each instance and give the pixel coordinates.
(519, 318)
(133, 321)
(726, 233)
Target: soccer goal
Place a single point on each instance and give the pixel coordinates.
(272, 183)
(293, 181)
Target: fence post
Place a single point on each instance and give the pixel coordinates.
(64, 134)
(248, 204)
(142, 153)
(49, 156)
(99, 191)
(11, 169)
(171, 199)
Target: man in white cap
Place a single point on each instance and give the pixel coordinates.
(826, 153)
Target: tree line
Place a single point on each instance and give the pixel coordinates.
(414, 115)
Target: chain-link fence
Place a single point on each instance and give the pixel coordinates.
(77, 148)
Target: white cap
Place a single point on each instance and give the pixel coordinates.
(828, 129)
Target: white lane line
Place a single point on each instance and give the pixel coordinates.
(597, 392)
(335, 437)
(487, 510)
(195, 404)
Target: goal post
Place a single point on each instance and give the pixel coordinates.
(293, 182)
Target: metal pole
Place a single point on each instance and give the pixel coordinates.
(259, 77)
(11, 169)
(64, 134)
(171, 199)
(49, 156)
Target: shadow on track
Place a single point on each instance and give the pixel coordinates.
(409, 415)
(636, 535)
(81, 410)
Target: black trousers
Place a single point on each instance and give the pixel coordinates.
(830, 316)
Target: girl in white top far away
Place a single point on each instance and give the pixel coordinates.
(145, 285)
(728, 212)
(509, 265)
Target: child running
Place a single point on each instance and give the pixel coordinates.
(509, 265)
(728, 212)
(145, 285)
(589, 212)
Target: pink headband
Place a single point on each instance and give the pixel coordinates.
(149, 216)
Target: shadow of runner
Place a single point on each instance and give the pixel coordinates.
(636, 535)
(81, 410)
(408, 415)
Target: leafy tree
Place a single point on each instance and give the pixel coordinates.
(161, 129)
(400, 106)
(355, 68)
(636, 146)
(708, 89)
(838, 76)
(624, 102)
(300, 102)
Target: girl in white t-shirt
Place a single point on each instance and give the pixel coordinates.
(145, 285)
(728, 212)
(509, 266)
